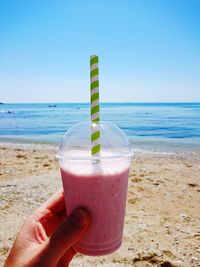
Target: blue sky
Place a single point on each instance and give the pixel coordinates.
(149, 50)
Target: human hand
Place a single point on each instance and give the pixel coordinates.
(47, 237)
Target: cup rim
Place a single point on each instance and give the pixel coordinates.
(95, 158)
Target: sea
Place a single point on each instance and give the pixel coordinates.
(166, 127)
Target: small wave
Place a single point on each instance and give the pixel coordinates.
(8, 111)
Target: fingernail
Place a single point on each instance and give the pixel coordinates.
(80, 217)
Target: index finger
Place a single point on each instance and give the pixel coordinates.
(55, 203)
(51, 213)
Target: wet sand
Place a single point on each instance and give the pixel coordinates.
(162, 224)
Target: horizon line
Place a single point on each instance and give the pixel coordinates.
(139, 102)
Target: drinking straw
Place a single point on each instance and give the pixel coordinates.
(94, 91)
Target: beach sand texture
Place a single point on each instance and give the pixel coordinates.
(162, 224)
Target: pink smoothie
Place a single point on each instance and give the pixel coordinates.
(102, 190)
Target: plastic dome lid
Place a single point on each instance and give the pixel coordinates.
(76, 142)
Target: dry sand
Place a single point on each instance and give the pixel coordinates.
(162, 224)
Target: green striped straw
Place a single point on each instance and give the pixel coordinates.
(94, 90)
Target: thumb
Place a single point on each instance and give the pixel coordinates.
(66, 235)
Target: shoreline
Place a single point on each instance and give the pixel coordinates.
(162, 216)
(29, 145)
(136, 151)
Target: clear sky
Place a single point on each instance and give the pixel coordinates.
(149, 50)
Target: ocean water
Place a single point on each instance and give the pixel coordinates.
(150, 126)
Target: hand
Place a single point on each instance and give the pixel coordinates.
(47, 237)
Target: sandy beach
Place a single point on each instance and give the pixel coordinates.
(162, 224)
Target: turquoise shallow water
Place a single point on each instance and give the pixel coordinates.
(154, 126)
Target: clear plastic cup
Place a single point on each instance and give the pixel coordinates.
(98, 184)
